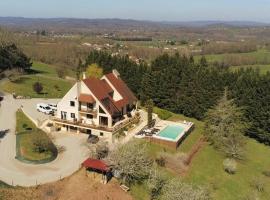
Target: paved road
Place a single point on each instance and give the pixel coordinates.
(14, 172)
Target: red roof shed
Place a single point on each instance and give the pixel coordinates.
(96, 164)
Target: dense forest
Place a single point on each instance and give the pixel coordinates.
(180, 85)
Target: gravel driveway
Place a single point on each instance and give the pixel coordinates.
(14, 172)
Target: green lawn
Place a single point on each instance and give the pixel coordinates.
(262, 68)
(207, 169)
(26, 133)
(49, 70)
(53, 87)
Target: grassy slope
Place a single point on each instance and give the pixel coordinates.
(26, 141)
(47, 76)
(206, 168)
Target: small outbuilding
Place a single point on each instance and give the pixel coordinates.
(97, 169)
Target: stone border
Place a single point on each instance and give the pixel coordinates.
(28, 161)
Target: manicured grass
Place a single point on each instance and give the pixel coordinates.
(262, 68)
(52, 88)
(23, 123)
(26, 134)
(49, 70)
(44, 69)
(207, 168)
(162, 114)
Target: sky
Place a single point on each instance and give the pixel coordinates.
(155, 10)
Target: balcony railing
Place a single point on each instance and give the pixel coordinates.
(84, 125)
(88, 110)
(99, 127)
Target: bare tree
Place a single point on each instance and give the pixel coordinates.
(131, 161)
(176, 189)
(99, 150)
(155, 183)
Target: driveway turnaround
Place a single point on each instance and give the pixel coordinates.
(14, 172)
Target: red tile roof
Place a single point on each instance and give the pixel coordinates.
(86, 98)
(96, 164)
(97, 87)
(102, 90)
(122, 88)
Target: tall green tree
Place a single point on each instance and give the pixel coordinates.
(11, 57)
(225, 126)
(149, 107)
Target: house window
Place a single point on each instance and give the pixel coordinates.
(88, 116)
(101, 110)
(90, 106)
(72, 103)
(63, 115)
(101, 134)
(72, 115)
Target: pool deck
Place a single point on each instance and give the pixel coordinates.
(163, 124)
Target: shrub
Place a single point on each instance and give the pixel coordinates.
(162, 114)
(252, 196)
(258, 184)
(61, 72)
(230, 166)
(37, 87)
(155, 183)
(266, 173)
(161, 161)
(183, 158)
(176, 189)
(41, 143)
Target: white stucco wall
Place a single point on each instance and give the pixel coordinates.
(72, 95)
(64, 104)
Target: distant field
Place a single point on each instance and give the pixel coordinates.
(262, 68)
(262, 56)
(53, 87)
(207, 168)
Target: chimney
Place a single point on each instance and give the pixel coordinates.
(84, 75)
(116, 73)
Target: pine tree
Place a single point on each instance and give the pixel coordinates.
(149, 106)
(225, 127)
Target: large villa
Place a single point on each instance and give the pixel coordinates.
(96, 106)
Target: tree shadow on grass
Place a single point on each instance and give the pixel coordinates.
(34, 72)
(43, 93)
(21, 80)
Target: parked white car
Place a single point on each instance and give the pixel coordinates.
(53, 106)
(44, 108)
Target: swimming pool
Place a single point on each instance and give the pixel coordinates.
(171, 132)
